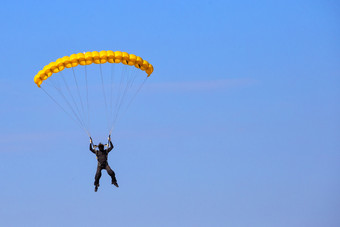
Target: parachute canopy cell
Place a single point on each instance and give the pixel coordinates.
(88, 58)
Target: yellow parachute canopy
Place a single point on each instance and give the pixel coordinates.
(92, 57)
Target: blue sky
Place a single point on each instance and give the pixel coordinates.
(237, 126)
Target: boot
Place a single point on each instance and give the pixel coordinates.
(96, 188)
(115, 183)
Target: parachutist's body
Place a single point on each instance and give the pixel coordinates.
(102, 154)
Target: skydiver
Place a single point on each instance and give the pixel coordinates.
(102, 154)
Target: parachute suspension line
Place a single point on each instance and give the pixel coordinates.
(74, 101)
(66, 111)
(134, 96)
(87, 99)
(117, 99)
(121, 84)
(55, 83)
(103, 88)
(134, 75)
(111, 92)
(78, 91)
(70, 106)
(121, 96)
(128, 85)
(130, 79)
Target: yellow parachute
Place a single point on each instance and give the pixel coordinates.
(71, 91)
(88, 58)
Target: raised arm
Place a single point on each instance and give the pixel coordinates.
(91, 148)
(111, 145)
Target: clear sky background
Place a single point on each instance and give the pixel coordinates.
(237, 126)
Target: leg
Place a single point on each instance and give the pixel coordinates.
(98, 175)
(112, 174)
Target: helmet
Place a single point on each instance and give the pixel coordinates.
(101, 146)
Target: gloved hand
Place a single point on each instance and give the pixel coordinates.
(90, 140)
(109, 139)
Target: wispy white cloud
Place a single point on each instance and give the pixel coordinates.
(208, 85)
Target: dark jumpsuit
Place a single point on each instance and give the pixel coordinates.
(102, 164)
